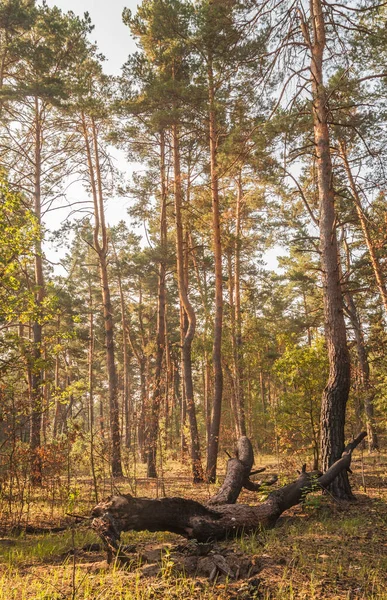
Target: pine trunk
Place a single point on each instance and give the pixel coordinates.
(153, 428)
(36, 373)
(101, 248)
(336, 392)
(212, 455)
(380, 281)
(185, 304)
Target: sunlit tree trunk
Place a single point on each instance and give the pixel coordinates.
(379, 276)
(153, 427)
(91, 391)
(212, 455)
(126, 356)
(36, 379)
(101, 247)
(202, 286)
(336, 392)
(182, 274)
(238, 342)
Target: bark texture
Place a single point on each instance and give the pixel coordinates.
(213, 443)
(336, 392)
(186, 305)
(193, 520)
(238, 475)
(37, 328)
(153, 426)
(90, 134)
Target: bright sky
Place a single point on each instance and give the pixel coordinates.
(112, 36)
(114, 41)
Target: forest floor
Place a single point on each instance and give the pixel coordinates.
(322, 549)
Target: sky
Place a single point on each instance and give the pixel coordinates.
(112, 36)
(115, 42)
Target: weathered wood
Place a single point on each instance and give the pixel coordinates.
(238, 475)
(193, 520)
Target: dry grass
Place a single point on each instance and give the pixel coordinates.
(321, 550)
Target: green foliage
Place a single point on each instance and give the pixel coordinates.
(18, 233)
(302, 373)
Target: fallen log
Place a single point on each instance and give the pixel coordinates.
(193, 520)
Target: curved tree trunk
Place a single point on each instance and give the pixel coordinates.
(197, 470)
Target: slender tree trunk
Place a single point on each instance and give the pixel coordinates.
(336, 392)
(238, 345)
(37, 380)
(212, 455)
(58, 404)
(380, 280)
(91, 391)
(126, 356)
(232, 376)
(183, 402)
(101, 247)
(206, 357)
(141, 360)
(112, 374)
(362, 355)
(153, 428)
(185, 304)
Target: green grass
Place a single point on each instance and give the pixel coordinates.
(321, 550)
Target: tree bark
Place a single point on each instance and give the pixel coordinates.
(238, 341)
(101, 248)
(362, 356)
(153, 427)
(37, 328)
(336, 392)
(91, 391)
(193, 520)
(380, 281)
(213, 445)
(197, 470)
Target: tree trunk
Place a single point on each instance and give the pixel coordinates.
(141, 360)
(153, 427)
(101, 248)
(126, 357)
(193, 520)
(380, 281)
(336, 392)
(91, 392)
(362, 356)
(206, 359)
(238, 475)
(36, 379)
(212, 455)
(182, 273)
(238, 341)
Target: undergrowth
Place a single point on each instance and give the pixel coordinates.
(319, 550)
